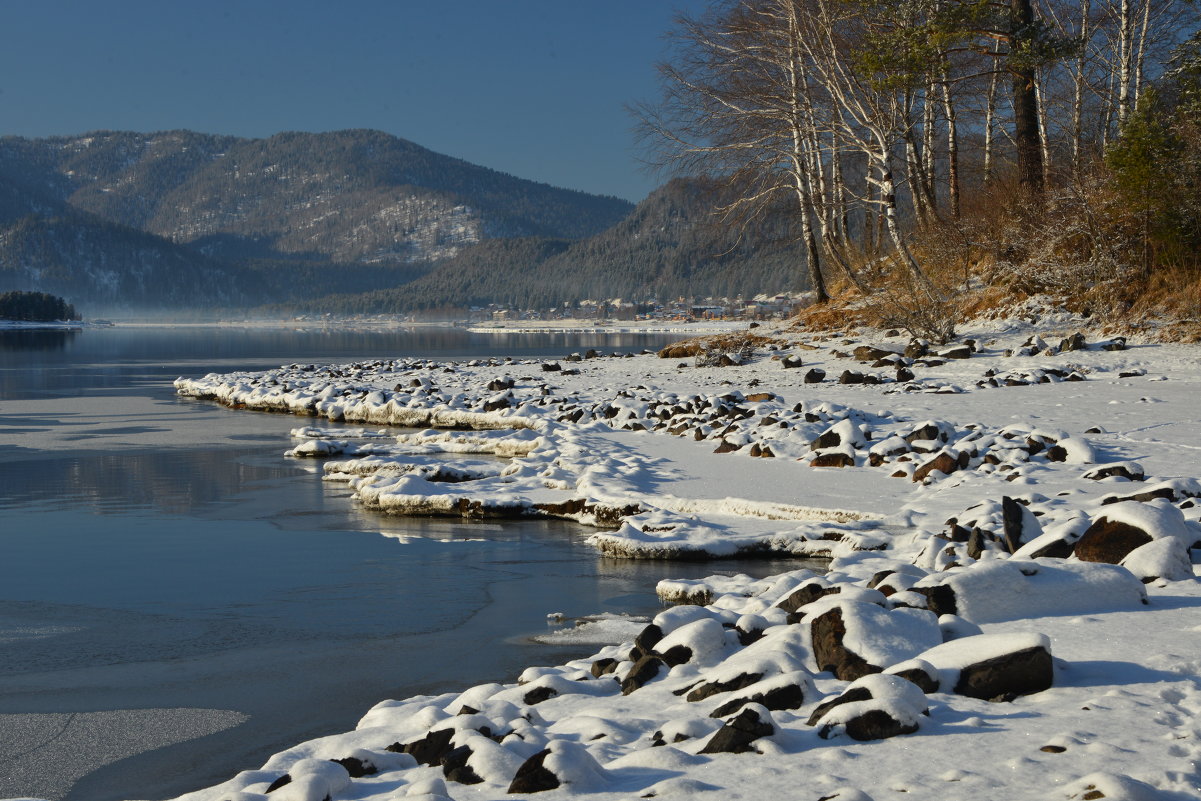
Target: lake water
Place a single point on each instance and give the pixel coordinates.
(178, 601)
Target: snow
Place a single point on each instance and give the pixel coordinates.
(628, 446)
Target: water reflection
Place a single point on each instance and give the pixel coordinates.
(36, 339)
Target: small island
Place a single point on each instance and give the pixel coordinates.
(35, 307)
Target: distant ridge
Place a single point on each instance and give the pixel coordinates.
(671, 245)
(348, 221)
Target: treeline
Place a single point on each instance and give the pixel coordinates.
(35, 307)
(915, 140)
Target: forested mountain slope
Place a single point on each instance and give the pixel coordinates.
(670, 246)
(345, 196)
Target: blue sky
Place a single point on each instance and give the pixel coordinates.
(535, 88)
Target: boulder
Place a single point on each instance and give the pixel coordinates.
(1125, 526)
(946, 462)
(645, 669)
(1110, 541)
(645, 641)
(429, 749)
(855, 638)
(792, 362)
(961, 351)
(533, 776)
(561, 764)
(1074, 342)
(872, 708)
(707, 689)
(737, 734)
(832, 459)
(815, 376)
(870, 353)
(787, 691)
(994, 667)
(1013, 589)
(917, 672)
(456, 769)
(807, 593)
(1131, 471)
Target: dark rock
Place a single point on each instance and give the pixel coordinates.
(500, 384)
(497, 404)
(645, 642)
(870, 353)
(604, 666)
(456, 769)
(904, 374)
(792, 362)
(736, 736)
(1006, 677)
(976, 543)
(551, 367)
(828, 631)
(430, 749)
(875, 724)
(725, 446)
(356, 767)
(925, 681)
(815, 376)
(677, 655)
(791, 696)
(829, 439)
(532, 777)
(916, 349)
(1074, 342)
(1109, 541)
(833, 459)
(940, 599)
(851, 695)
(807, 593)
(956, 352)
(1012, 515)
(538, 695)
(282, 781)
(1128, 471)
(1056, 549)
(852, 377)
(944, 462)
(706, 689)
(929, 431)
(644, 670)
(1117, 343)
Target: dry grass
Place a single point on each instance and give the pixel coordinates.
(718, 343)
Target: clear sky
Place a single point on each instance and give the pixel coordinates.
(535, 88)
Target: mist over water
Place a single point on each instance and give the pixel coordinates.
(160, 553)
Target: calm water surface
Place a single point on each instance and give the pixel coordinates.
(158, 553)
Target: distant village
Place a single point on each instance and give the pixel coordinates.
(760, 307)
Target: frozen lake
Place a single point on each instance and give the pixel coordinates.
(178, 601)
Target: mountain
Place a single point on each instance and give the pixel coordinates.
(347, 196)
(671, 245)
(118, 220)
(349, 222)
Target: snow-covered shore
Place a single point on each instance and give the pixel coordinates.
(971, 623)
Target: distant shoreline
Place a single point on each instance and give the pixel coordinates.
(505, 327)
